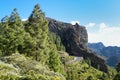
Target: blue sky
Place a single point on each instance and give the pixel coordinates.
(99, 16)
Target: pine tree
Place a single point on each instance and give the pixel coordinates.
(11, 34)
(54, 59)
(15, 19)
(3, 33)
(45, 50)
(5, 19)
(38, 29)
(57, 41)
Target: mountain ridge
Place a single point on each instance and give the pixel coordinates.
(111, 53)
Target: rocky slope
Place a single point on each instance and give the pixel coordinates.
(75, 40)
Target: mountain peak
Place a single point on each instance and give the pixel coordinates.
(98, 45)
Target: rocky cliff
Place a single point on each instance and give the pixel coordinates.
(75, 40)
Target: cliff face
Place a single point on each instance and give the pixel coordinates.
(75, 40)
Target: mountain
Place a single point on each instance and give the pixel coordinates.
(75, 40)
(96, 47)
(112, 53)
(113, 60)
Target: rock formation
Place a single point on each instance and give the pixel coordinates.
(75, 40)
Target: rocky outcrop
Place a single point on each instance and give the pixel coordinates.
(75, 40)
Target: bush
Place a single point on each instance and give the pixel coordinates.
(18, 67)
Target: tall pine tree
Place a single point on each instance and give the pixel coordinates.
(11, 33)
(15, 19)
(38, 28)
(45, 50)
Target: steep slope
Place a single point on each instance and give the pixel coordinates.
(75, 40)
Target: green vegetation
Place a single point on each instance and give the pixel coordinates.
(11, 34)
(117, 76)
(81, 70)
(19, 67)
(57, 41)
(28, 51)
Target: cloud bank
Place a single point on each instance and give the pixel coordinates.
(90, 24)
(109, 35)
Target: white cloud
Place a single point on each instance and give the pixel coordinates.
(102, 26)
(90, 24)
(24, 19)
(74, 22)
(110, 36)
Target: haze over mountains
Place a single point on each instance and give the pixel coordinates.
(111, 53)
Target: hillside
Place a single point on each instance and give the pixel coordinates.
(20, 67)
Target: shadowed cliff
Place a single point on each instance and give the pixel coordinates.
(75, 40)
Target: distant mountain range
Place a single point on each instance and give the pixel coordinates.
(111, 53)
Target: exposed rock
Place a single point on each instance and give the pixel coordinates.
(75, 40)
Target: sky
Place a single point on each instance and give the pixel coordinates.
(100, 17)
